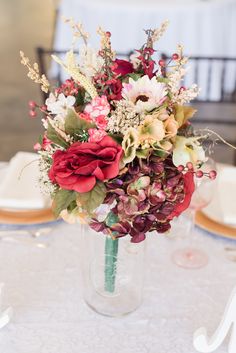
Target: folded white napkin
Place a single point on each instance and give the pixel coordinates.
(6, 315)
(227, 194)
(19, 184)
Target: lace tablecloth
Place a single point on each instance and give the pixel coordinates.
(43, 287)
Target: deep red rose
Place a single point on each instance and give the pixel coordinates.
(82, 164)
(189, 188)
(123, 67)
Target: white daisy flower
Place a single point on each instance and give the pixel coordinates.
(145, 93)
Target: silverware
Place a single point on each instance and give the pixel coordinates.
(14, 236)
(228, 248)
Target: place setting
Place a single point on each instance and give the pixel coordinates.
(219, 217)
(25, 212)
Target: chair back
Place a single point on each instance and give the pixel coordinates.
(216, 77)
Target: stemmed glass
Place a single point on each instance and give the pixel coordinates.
(191, 257)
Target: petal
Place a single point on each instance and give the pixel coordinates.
(98, 173)
(62, 98)
(84, 183)
(70, 100)
(87, 169)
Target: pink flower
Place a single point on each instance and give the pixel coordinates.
(46, 145)
(37, 146)
(98, 106)
(96, 135)
(101, 122)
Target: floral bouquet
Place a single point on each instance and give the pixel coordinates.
(118, 151)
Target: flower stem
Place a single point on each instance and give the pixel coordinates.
(111, 250)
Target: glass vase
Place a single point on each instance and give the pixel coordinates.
(112, 272)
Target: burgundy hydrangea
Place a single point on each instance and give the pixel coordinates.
(146, 198)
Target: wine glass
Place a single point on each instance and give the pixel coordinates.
(191, 257)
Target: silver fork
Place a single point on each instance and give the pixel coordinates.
(12, 236)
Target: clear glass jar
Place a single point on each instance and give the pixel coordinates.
(112, 272)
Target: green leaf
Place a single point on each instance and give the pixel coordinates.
(117, 138)
(62, 200)
(72, 206)
(160, 153)
(92, 199)
(135, 77)
(142, 153)
(55, 137)
(74, 125)
(162, 79)
(40, 139)
(80, 98)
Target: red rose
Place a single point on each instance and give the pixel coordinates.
(113, 90)
(189, 188)
(82, 164)
(123, 67)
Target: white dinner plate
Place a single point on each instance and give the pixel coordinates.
(222, 209)
(24, 217)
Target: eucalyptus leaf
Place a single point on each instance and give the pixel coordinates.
(92, 199)
(62, 200)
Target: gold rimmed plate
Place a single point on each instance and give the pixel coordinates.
(26, 217)
(214, 227)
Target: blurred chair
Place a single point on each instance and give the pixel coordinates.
(53, 73)
(216, 103)
(215, 75)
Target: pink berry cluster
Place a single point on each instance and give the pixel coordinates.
(198, 173)
(174, 57)
(33, 106)
(68, 88)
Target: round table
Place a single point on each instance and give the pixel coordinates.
(204, 27)
(43, 287)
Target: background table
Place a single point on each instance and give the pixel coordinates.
(205, 27)
(50, 316)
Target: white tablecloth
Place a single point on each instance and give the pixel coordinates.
(204, 27)
(50, 316)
